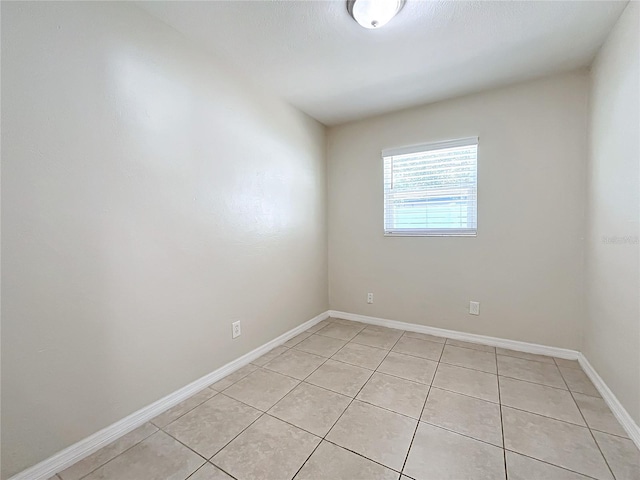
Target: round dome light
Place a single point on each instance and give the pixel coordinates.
(373, 13)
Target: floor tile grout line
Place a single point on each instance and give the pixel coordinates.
(209, 463)
(340, 416)
(587, 424)
(300, 382)
(468, 368)
(466, 435)
(431, 386)
(124, 451)
(388, 409)
(437, 387)
(530, 359)
(312, 353)
(185, 445)
(222, 469)
(519, 409)
(535, 383)
(608, 433)
(548, 463)
(451, 345)
(453, 365)
(352, 399)
(558, 365)
(262, 414)
(424, 339)
(504, 452)
(362, 456)
(154, 433)
(350, 403)
(215, 392)
(551, 418)
(404, 464)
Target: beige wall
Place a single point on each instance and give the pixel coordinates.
(526, 264)
(149, 198)
(612, 330)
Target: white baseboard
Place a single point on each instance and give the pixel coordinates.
(466, 337)
(630, 426)
(616, 407)
(76, 452)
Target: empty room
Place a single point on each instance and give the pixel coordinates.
(320, 240)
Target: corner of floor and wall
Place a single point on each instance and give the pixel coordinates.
(152, 195)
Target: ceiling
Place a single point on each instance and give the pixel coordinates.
(312, 54)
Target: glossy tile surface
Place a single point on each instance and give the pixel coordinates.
(332, 462)
(597, 414)
(159, 457)
(541, 399)
(378, 337)
(553, 441)
(183, 407)
(419, 348)
(578, 381)
(520, 467)
(295, 363)
(102, 456)
(269, 448)
(320, 345)
(395, 394)
(374, 433)
(339, 331)
(437, 454)
(209, 472)
(311, 408)
(466, 381)
(409, 367)
(262, 389)
(361, 355)
(208, 428)
(469, 416)
(530, 371)
(621, 454)
(340, 377)
(381, 405)
(469, 358)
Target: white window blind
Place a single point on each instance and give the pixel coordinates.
(431, 189)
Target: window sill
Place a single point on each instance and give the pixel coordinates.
(427, 234)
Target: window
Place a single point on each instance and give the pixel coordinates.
(431, 189)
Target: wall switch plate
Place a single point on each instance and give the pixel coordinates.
(369, 297)
(235, 329)
(474, 308)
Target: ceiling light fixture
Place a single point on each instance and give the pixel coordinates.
(374, 13)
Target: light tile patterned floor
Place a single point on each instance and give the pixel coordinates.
(347, 401)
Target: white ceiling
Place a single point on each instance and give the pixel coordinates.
(315, 56)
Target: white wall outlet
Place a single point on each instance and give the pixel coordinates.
(235, 329)
(474, 308)
(369, 297)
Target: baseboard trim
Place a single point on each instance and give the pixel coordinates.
(630, 426)
(466, 337)
(76, 452)
(614, 404)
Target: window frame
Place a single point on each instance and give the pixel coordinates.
(426, 147)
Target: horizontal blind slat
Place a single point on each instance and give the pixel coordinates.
(431, 190)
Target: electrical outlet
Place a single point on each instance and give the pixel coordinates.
(235, 329)
(474, 308)
(369, 297)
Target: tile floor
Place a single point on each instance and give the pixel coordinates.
(347, 401)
